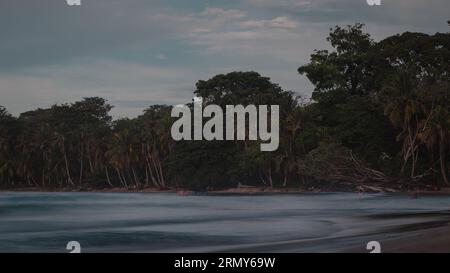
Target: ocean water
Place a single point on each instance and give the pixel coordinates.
(164, 222)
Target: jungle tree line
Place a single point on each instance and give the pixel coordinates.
(380, 112)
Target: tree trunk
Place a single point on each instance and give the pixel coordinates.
(158, 175)
(442, 161)
(285, 179)
(81, 164)
(269, 177)
(155, 183)
(161, 174)
(69, 178)
(136, 180)
(122, 180)
(107, 177)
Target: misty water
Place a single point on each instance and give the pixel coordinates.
(164, 222)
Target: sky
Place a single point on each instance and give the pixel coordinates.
(136, 53)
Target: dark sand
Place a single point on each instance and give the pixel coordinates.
(433, 240)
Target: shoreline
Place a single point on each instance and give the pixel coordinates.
(237, 190)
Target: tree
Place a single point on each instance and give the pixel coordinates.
(345, 99)
(347, 68)
(7, 130)
(416, 93)
(244, 88)
(156, 142)
(435, 126)
(404, 111)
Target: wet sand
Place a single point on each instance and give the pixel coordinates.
(436, 240)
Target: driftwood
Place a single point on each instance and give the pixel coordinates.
(363, 179)
(367, 188)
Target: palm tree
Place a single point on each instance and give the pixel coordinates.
(405, 112)
(157, 142)
(292, 126)
(436, 135)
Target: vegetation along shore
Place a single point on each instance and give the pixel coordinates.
(378, 120)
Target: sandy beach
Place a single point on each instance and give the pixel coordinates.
(433, 240)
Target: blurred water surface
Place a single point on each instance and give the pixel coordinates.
(164, 222)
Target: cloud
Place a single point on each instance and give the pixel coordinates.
(411, 13)
(266, 41)
(278, 22)
(280, 3)
(282, 22)
(228, 14)
(161, 57)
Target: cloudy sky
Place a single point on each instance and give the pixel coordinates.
(141, 52)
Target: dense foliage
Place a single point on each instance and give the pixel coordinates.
(380, 112)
